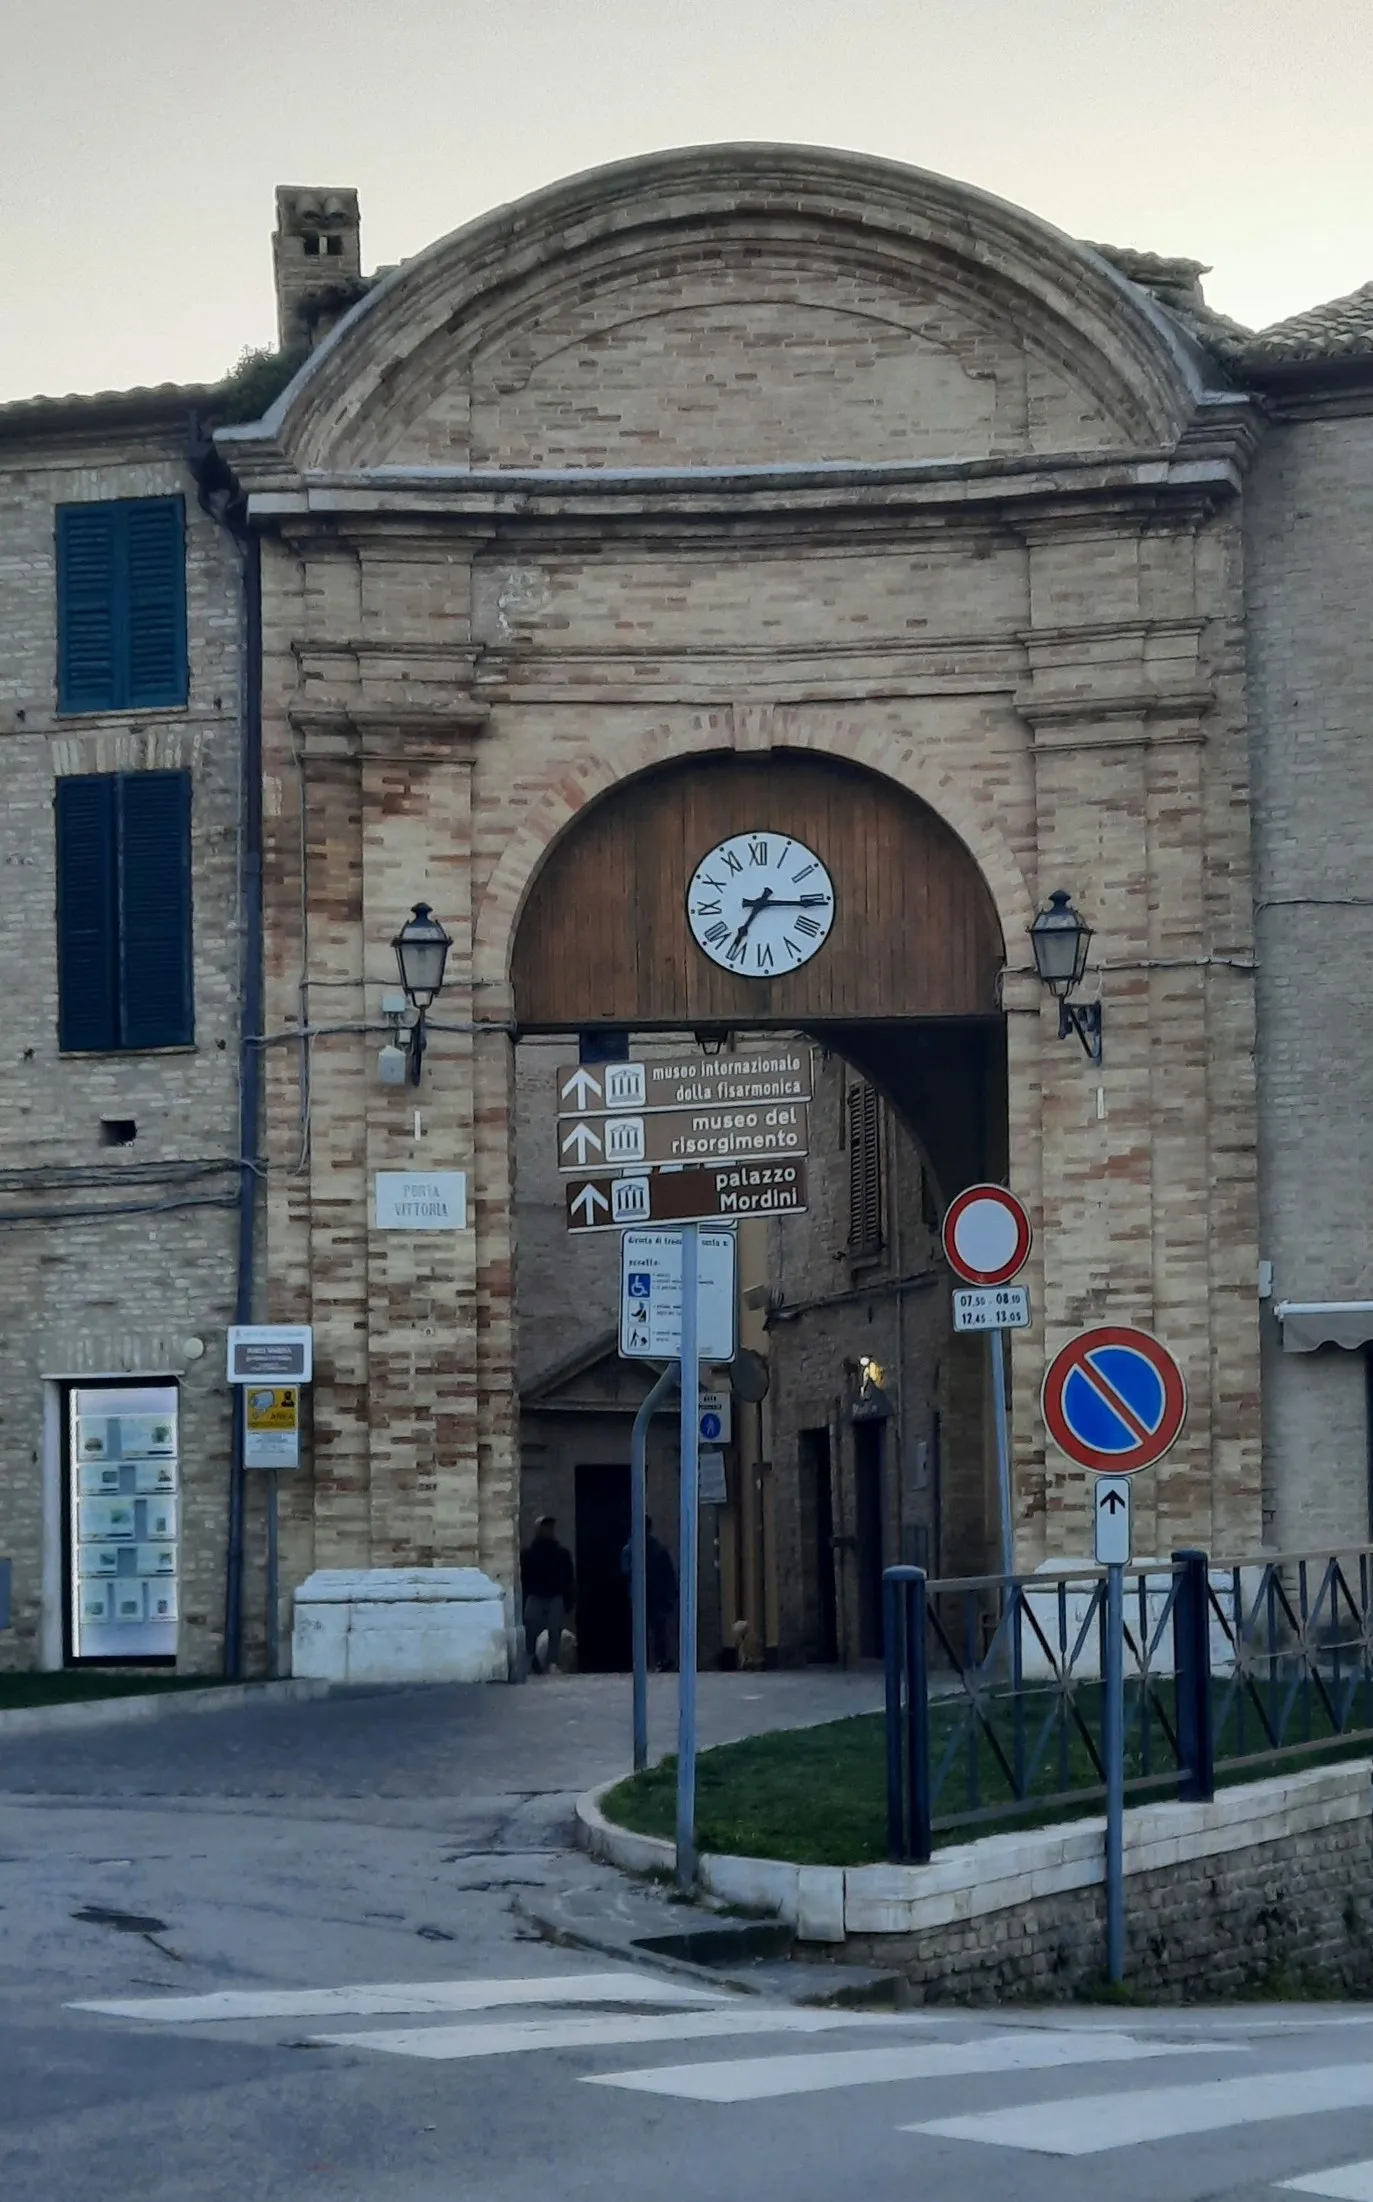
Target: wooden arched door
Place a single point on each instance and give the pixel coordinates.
(604, 937)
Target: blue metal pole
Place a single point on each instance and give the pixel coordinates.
(919, 1803)
(686, 1565)
(893, 1651)
(638, 1545)
(1113, 1740)
(1192, 1667)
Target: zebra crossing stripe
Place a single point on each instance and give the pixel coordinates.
(611, 2031)
(1345, 2183)
(387, 1998)
(1092, 2123)
(756, 2079)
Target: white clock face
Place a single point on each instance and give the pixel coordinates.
(760, 904)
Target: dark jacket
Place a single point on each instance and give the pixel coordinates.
(546, 1571)
(660, 1576)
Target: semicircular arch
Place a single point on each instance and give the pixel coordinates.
(947, 236)
(602, 934)
(894, 757)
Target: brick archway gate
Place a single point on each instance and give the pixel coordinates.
(768, 455)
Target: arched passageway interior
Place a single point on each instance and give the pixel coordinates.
(872, 1443)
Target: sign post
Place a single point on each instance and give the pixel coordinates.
(1113, 1751)
(681, 1141)
(688, 1541)
(1111, 1519)
(987, 1241)
(1114, 1401)
(270, 1423)
(638, 1556)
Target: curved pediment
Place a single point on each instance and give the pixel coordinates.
(734, 306)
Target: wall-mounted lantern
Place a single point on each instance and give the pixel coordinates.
(421, 948)
(1060, 938)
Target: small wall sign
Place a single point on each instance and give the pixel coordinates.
(410, 1200)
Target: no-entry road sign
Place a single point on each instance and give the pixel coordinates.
(686, 1196)
(1114, 1400)
(986, 1235)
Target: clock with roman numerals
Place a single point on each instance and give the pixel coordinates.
(760, 904)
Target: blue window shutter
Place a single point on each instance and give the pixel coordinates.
(156, 1003)
(87, 957)
(155, 537)
(90, 612)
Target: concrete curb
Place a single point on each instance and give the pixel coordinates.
(627, 1950)
(116, 1712)
(809, 1899)
(992, 1874)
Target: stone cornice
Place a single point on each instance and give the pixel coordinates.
(379, 689)
(700, 676)
(333, 729)
(1124, 677)
(1018, 491)
(1118, 722)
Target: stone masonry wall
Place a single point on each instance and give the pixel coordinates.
(1268, 1888)
(1292, 1916)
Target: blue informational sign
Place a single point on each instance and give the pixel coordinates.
(640, 1285)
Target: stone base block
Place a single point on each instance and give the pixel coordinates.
(422, 1624)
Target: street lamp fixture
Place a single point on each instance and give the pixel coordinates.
(1060, 937)
(421, 948)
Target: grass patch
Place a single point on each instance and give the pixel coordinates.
(76, 1684)
(817, 1796)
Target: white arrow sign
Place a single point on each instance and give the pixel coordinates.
(588, 1201)
(581, 1137)
(583, 1088)
(1111, 1514)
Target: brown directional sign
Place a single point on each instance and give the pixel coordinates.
(784, 1073)
(729, 1191)
(674, 1136)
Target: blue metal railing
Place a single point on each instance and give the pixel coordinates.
(994, 1699)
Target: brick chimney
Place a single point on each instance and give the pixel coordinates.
(317, 257)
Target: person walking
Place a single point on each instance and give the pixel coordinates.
(660, 1594)
(549, 1584)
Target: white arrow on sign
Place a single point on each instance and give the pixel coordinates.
(583, 1087)
(1111, 1513)
(589, 1200)
(581, 1137)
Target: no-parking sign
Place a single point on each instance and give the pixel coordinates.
(1114, 1400)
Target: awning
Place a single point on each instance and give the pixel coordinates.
(1307, 1324)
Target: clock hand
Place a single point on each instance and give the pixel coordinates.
(787, 902)
(753, 906)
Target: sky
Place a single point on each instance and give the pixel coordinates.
(141, 140)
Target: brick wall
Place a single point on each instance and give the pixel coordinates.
(1066, 691)
(1309, 542)
(82, 1293)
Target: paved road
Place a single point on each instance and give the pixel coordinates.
(272, 1953)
